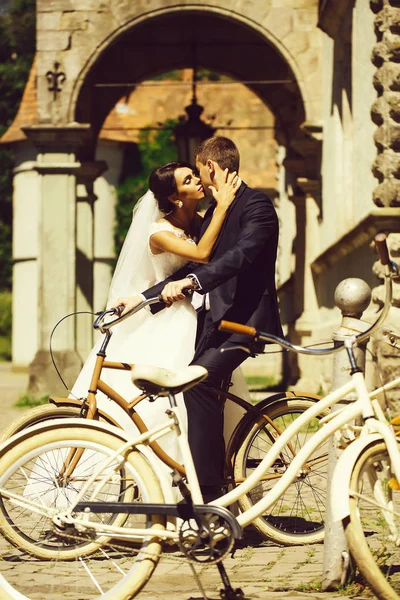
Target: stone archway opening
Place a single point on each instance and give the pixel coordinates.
(220, 44)
(169, 41)
(115, 62)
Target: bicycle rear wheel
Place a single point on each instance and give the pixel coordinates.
(297, 517)
(41, 414)
(368, 532)
(69, 564)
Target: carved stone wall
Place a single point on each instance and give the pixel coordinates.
(386, 110)
(386, 168)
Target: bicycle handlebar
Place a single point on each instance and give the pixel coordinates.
(391, 270)
(103, 327)
(258, 336)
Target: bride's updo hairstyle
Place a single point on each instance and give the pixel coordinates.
(163, 184)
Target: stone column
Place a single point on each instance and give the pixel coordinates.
(59, 230)
(386, 115)
(85, 196)
(26, 204)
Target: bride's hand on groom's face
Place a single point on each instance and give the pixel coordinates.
(128, 303)
(227, 184)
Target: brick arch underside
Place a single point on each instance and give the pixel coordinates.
(167, 42)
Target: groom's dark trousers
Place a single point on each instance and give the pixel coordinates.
(240, 281)
(205, 410)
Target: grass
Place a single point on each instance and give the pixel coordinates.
(310, 586)
(261, 382)
(27, 401)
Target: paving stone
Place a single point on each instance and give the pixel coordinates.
(263, 570)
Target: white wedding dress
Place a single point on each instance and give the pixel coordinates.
(165, 339)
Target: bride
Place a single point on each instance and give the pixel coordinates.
(160, 240)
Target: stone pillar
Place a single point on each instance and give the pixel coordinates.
(386, 115)
(387, 363)
(104, 216)
(26, 204)
(60, 228)
(85, 196)
(307, 323)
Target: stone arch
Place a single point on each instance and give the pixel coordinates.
(170, 11)
(290, 102)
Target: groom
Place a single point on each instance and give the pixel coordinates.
(238, 284)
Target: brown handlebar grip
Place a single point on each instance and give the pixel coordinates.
(237, 328)
(382, 249)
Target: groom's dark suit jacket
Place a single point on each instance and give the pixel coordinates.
(241, 273)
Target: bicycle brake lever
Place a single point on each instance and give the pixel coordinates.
(394, 270)
(236, 348)
(390, 338)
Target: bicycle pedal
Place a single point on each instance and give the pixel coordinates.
(231, 594)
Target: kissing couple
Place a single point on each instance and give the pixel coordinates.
(228, 260)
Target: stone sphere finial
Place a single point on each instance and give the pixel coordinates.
(352, 296)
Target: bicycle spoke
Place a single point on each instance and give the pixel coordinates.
(300, 509)
(69, 563)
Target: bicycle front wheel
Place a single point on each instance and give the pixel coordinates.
(373, 532)
(297, 517)
(70, 563)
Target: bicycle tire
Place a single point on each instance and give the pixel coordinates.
(367, 532)
(65, 571)
(41, 414)
(297, 517)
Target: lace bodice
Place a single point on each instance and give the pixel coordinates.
(167, 263)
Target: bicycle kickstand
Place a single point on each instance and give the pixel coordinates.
(228, 593)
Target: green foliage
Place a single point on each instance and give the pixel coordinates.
(175, 75)
(5, 348)
(5, 313)
(156, 147)
(30, 401)
(17, 47)
(5, 253)
(5, 324)
(260, 382)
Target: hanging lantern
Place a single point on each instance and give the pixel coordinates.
(190, 132)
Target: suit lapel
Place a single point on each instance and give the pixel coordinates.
(207, 217)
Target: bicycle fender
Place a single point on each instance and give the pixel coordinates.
(340, 484)
(53, 424)
(71, 402)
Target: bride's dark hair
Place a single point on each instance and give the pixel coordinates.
(163, 185)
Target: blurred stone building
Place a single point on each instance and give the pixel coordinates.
(315, 114)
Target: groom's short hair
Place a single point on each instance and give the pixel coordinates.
(220, 149)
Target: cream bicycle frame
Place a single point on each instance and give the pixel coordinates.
(374, 423)
(360, 407)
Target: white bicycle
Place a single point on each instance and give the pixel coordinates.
(108, 506)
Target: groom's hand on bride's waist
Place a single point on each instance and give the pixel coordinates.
(174, 290)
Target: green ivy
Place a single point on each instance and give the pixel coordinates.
(17, 48)
(156, 147)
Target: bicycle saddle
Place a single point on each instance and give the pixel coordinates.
(162, 382)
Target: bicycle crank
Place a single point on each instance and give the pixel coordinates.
(208, 535)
